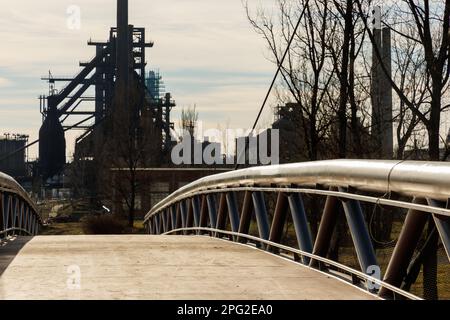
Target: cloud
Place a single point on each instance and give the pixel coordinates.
(5, 82)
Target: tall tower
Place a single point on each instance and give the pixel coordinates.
(381, 90)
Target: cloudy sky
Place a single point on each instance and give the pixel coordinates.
(205, 50)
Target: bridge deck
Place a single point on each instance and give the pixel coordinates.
(146, 267)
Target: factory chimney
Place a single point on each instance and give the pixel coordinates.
(123, 44)
(382, 118)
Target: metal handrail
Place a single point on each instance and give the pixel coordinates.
(410, 178)
(8, 184)
(342, 267)
(15, 229)
(424, 187)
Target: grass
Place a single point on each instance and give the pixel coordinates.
(60, 229)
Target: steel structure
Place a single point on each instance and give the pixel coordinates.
(117, 69)
(204, 206)
(19, 215)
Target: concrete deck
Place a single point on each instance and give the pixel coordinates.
(156, 267)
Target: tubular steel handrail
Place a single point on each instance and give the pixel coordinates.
(14, 230)
(344, 183)
(18, 213)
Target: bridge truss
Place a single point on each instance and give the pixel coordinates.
(412, 193)
(18, 213)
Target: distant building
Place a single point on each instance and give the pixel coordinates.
(13, 155)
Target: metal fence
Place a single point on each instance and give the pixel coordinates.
(19, 215)
(381, 225)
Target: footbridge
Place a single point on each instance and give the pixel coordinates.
(342, 229)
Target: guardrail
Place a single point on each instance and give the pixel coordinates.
(18, 213)
(344, 187)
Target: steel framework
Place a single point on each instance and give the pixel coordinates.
(203, 208)
(19, 215)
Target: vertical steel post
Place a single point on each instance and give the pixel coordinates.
(408, 239)
(178, 219)
(196, 210)
(190, 214)
(168, 220)
(203, 213)
(183, 211)
(301, 224)
(158, 232)
(279, 218)
(22, 209)
(173, 212)
(161, 222)
(33, 225)
(360, 234)
(24, 218)
(246, 215)
(222, 214)
(442, 225)
(15, 214)
(261, 214)
(7, 205)
(233, 211)
(212, 210)
(326, 228)
(163, 217)
(2, 208)
(152, 226)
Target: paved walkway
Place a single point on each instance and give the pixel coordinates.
(156, 267)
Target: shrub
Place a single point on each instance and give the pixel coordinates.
(104, 224)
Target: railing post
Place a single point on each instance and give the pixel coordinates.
(168, 220)
(301, 225)
(359, 233)
(246, 215)
(29, 221)
(190, 215)
(2, 210)
(279, 219)
(6, 206)
(326, 228)
(442, 226)
(203, 213)
(152, 225)
(157, 224)
(212, 210)
(163, 217)
(222, 214)
(196, 210)
(15, 213)
(261, 214)
(183, 211)
(173, 213)
(233, 211)
(408, 239)
(22, 210)
(33, 225)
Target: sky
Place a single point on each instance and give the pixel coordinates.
(206, 51)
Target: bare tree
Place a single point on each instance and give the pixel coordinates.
(430, 23)
(304, 74)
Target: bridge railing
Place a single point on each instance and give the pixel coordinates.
(18, 213)
(252, 206)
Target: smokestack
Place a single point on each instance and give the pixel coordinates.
(123, 51)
